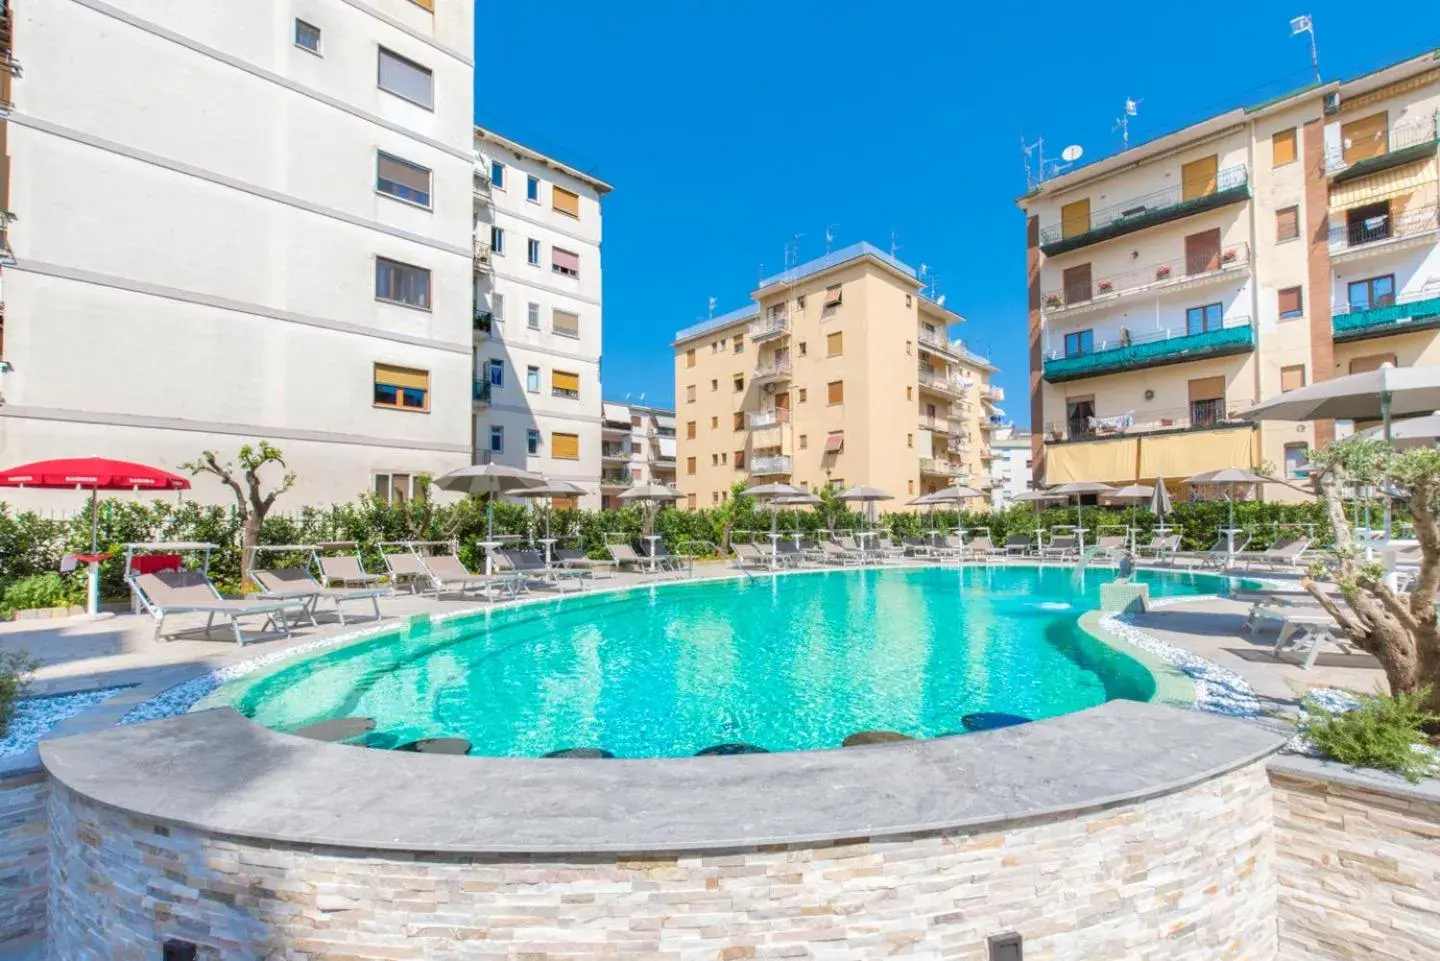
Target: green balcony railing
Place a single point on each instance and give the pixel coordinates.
(1155, 351)
(482, 391)
(1390, 319)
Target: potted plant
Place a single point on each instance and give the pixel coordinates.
(1162, 271)
(1105, 286)
(1053, 300)
(1228, 257)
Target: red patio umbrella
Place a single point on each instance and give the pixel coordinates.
(94, 474)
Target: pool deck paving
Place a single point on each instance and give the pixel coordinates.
(79, 655)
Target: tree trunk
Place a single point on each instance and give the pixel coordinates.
(249, 536)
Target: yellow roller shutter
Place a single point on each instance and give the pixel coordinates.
(1105, 461)
(564, 201)
(402, 377)
(1175, 456)
(567, 446)
(1366, 138)
(1197, 178)
(564, 380)
(1282, 147)
(427, 4)
(1075, 218)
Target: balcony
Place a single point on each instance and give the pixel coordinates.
(775, 464)
(1231, 186)
(1197, 415)
(1179, 273)
(482, 258)
(481, 188)
(940, 467)
(614, 452)
(939, 424)
(615, 478)
(769, 328)
(958, 445)
(937, 343)
(939, 383)
(1419, 311)
(1152, 350)
(1404, 143)
(992, 393)
(481, 394)
(761, 419)
(484, 323)
(1363, 235)
(772, 371)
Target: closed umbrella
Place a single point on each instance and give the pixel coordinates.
(544, 493)
(771, 493)
(93, 474)
(1160, 501)
(1078, 489)
(1229, 478)
(489, 480)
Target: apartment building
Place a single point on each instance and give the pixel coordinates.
(234, 222)
(1176, 284)
(1010, 472)
(637, 448)
(840, 372)
(537, 313)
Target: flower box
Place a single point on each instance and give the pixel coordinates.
(1162, 272)
(1228, 257)
(1105, 286)
(1053, 300)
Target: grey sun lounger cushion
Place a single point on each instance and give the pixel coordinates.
(346, 569)
(190, 592)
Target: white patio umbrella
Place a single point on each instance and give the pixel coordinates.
(1414, 432)
(1229, 478)
(770, 493)
(490, 480)
(868, 496)
(1374, 394)
(803, 499)
(1078, 489)
(1134, 493)
(543, 493)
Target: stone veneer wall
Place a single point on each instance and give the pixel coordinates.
(24, 855)
(1359, 873)
(1185, 877)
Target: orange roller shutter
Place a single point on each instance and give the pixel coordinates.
(1365, 138)
(1207, 388)
(1292, 378)
(1197, 178)
(1075, 218)
(1373, 362)
(835, 392)
(564, 201)
(401, 377)
(1282, 146)
(564, 380)
(565, 446)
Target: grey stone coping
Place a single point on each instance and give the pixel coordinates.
(219, 773)
(1360, 778)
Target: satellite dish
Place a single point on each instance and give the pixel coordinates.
(940, 301)
(1072, 153)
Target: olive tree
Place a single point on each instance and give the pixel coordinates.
(242, 476)
(1399, 629)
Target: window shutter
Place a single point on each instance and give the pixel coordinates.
(410, 175)
(564, 380)
(565, 201)
(565, 260)
(1365, 138)
(402, 377)
(835, 392)
(1207, 388)
(564, 322)
(1290, 301)
(1197, 178)
(832, 296)
(1287, 223)
(565, 446)
(1373, 362)
(835, 344)
(1282, 145)
(1292, 378)
(1075, 218)
(406, 78)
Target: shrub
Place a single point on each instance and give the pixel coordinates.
(15, 671)
(36, 591)
(1384, 731)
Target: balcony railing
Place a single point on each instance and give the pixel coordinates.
(615, 478)
(1197, 415)
(482, 257)
(939, 424)
(1152, 350)
(1404, 142)
(484, 322)
(1366, 231)
(993, 393)
(773, 370)
(958, 445)
(1151, 279)
(767, 328)
(760, 419)
(614, 452)
(1230, 185)
(777, 464)
(482, 392)
(565, 392)
(942, 383)
(940, 467)
(1417, 311)
(481, 186)
(937, 342)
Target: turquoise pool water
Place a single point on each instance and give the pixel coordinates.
(786, 663)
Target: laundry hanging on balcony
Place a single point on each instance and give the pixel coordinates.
(1113, 425)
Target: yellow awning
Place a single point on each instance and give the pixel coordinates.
(1380, 186)
(1177, 456)
(401, 377)
(564, 380)
(1105, 461)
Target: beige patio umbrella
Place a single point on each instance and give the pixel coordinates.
(490, 480)
(1134, 493)
(770, 493)
(869, 496)
(1413, 432)
(544, 493)
(651, 496)
(1229, 478)
(1374, 394)
(802, 499)
(1078, 489)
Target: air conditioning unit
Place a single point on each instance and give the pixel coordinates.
(1332, 103)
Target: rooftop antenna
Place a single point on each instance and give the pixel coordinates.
(1304, 24)
(894, 243)
(712, 308)
(830, 237)
(1038, 169)
(1122, 123)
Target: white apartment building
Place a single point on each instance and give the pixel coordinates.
(1010, 468)
(235, 221)
(537, 305)
(637, 447)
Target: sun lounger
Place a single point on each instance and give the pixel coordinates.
(346, 570)
(789, 553)
(297, 584)
(531, 564)
(662, 558)
(447, 575)
(1111, 543)
(190, 592)
(982, 546)
(1284, 554)
(1160, 547)
(574, 558)
(1060, 548)
(1218, 554)
(1018, 545)
(1301, 629)
(828, 552)
(624, 554)
(406, 567)
(748, 555)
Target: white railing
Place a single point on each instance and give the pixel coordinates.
(776, 368)
(936, 465)
(939, 381)
(935, 341)
(758, 419)
(992, 392)
(769, 326)
(778, 464)
(482, 256)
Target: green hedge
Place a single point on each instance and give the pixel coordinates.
(31, 544)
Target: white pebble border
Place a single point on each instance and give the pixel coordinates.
(1335, 701)
(37, 716)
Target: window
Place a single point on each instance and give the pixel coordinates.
(564, 446)
(1371, 293)
(565, 202)
(739, 460)
(402, 387)
(402, 283)
(802, 348)
(1372, 362)
(804, 395)
(1291, 303)
(1198, 178)
(564, 262)
(1079, 411)
(690, 394)
(800, 302)
(715, 422)
(1366, 138)
(1295, 459)
(832, 298)
(532, 316)
(690, 469)
(909, 440)
(723, 457)
(804, 441)
(565, 384)
(564, 323)
(1292, 378)
(834, 442)
(714, 384)
(835, 392)
(497, 440)
(739, 344)
(1080, 342)
(690, 357)
(1207, 401)
(401, 179)
(1200, 319)
(738, 420)
(493, 371)
(532, 441)
(909, 392)
(497, 175)
(739, 384)
(834, 344)
(690, 430)
(1367, 224)
(307, 36)
(406, 79)
(1287, 223)
(532, 379)
(1282, 148)
(1075, 218)
(398, 488)
(532, 252)
(497, 307)
(497, 240)
(532, 189)
(690, 500)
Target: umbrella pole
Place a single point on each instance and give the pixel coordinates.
(489, 531)
(1385, 419)
(94, 520)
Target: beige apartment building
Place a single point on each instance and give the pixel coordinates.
(1176, 284)
(841, 372)
(637, 448)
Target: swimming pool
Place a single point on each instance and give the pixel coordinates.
(785, 663)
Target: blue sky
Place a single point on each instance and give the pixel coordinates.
(728, 128)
